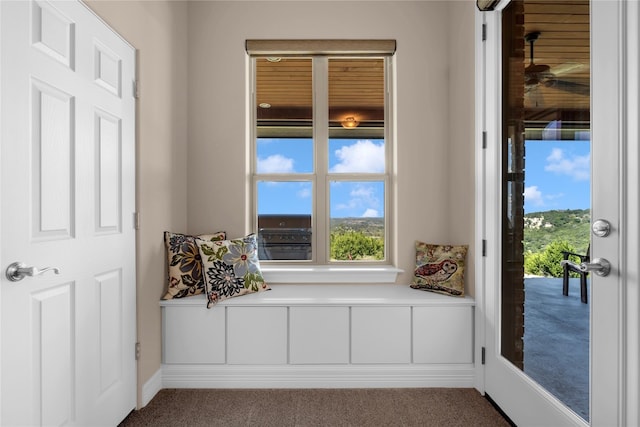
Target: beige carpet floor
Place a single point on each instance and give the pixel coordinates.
(317, 407)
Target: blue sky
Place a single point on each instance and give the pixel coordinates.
(347, 199)
(557, 175)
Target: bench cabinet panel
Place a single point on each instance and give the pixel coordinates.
(381, 335)
(319, 335)
(257, 335)
(194, 335)
(442, 335)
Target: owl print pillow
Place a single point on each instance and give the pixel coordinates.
(440, 268)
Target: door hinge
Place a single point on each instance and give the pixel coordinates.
(136, 220)
(137, 351)
(483, 359)
(484, 32)
(484, 247)
(136, 89)
(484, 139)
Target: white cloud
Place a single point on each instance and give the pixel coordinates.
(554, 196)
(361, 198)
(363, 156)
(363, 193)
(305, 193)
(577, 167)
(275, 164)
(533, 195)
(556, 155)
(364, 196)
(370, 213)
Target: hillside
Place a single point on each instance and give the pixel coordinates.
(572, 226)
(540, 228)
(368, 226)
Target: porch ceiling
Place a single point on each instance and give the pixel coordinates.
(563, 45)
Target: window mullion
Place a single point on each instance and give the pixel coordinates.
(390, 226)
(252, 222)
(321, 142)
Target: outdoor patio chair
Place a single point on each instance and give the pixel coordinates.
(568, 266)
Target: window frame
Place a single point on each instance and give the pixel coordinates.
(320, 178)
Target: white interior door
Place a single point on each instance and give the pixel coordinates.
(68, 197)
(523, 399)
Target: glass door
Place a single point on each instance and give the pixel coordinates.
(552, 96)
(546, 215)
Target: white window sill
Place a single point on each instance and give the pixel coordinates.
(330, 274)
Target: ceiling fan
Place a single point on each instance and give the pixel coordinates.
(536, 75)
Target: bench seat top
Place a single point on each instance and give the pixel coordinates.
(333, 295)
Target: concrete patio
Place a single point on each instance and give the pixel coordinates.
(556, 341)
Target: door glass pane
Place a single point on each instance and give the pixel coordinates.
(546, 202)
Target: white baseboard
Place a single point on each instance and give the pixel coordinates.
(317, 376)
(151, 388)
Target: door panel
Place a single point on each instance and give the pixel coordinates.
(53, 33)
(52, 161)
(52, 332)
(68, 186)
(108, 172)
(109, 324)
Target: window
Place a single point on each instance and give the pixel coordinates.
(321, 156)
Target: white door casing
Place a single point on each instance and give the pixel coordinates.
(614, 299)
(68, 196)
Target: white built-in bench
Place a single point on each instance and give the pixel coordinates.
(296, 336)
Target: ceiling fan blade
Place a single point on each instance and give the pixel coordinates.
(569, 67)
(571, 87)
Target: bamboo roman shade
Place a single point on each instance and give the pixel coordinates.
(320, 47)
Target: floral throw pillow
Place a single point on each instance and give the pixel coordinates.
(185, 264)
(231, 268)
(440, 268)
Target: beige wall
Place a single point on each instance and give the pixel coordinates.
(192, 135)
(435, 121)
(461, 122)
(158, 30)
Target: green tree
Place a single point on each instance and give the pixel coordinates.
(547, 262)
(354, 245)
